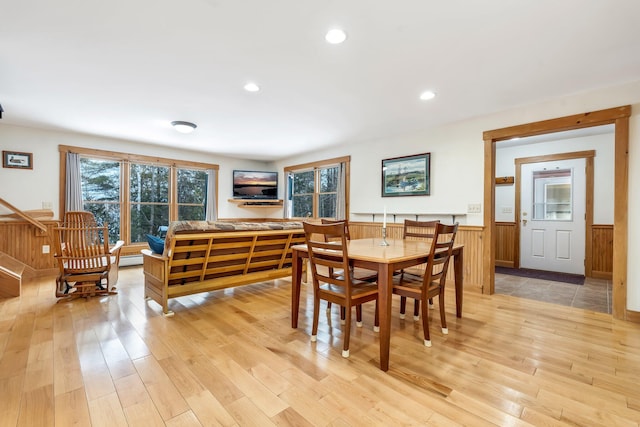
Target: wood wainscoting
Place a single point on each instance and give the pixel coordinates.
(601, 249)
(470, 236)
(505, 244)
(602, 253)
(24, 242)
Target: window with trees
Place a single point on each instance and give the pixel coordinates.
(318, 190)
(136, 195)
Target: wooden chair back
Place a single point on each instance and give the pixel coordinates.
(72, 218)
(327, 246)
(336, 221)
(439, 255)
(356, 273)
(419, 229)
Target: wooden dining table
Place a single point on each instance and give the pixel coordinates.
(370, 254)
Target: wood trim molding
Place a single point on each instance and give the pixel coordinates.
(618, 116)
(310, 165)
(94, 152)
(578, 121)
(633, 316)
(489, 235)
(620, 219)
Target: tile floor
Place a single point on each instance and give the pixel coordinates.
(594, 295)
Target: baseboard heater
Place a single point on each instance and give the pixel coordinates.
(126, 261)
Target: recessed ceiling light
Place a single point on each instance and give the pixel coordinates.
(251, 87)
(335, 36)
(427, 95)
(183, 127)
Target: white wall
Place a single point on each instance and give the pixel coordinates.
(29, 189)
(603, 171)
(457, 164)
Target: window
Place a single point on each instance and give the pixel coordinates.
(328, 193)
(148, 199)
(302, 193)
(192, 194)
(136, 195)
(552, 195)
(315, 190)
(101, 192)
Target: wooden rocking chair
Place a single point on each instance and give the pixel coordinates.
(88, 267)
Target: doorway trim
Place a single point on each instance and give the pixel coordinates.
(589, 174)
(619, 116)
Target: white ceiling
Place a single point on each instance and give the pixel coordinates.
(127, 68)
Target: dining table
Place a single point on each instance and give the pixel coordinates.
(372, 254)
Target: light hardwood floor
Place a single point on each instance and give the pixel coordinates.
(231, 358)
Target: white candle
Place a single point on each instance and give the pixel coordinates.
(384, 217)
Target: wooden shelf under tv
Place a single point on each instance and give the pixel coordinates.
(257, 203)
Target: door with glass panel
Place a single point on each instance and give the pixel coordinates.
(552, 216)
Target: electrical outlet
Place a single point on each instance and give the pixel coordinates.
(45, 249)
(47, 205)
(474, 208)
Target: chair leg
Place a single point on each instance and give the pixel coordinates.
(316, 315)
(443, 315)
(416, 309)
(347, 333)
(328, 306)
(342, 315)
(403, 306)
(359, 316)
(376, 320)
(425, 323)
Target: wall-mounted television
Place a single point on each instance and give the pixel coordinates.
(255, 185)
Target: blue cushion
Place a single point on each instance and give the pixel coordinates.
(155, 243)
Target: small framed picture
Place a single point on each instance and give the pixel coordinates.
(406, 176)
(14, 159)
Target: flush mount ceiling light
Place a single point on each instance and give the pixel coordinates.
(183, 127)
(335, 36)
(251, 87)
(427, 95)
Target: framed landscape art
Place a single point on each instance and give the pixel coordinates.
(406, 176)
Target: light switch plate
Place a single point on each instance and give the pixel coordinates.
(474, 208)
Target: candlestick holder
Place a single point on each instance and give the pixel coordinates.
(384, 237)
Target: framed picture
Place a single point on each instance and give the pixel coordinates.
(406, 176)
(14, 159)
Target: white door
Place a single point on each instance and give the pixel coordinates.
(552, 216)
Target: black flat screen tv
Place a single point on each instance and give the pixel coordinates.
(255, 185)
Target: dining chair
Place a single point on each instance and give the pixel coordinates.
(416, 230)
(329, 259)
(432, 283)
(356, 272)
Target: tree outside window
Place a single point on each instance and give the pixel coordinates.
(303, 192)
(101, 192)
(192, 194)
(149, 199)
(136, 198)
